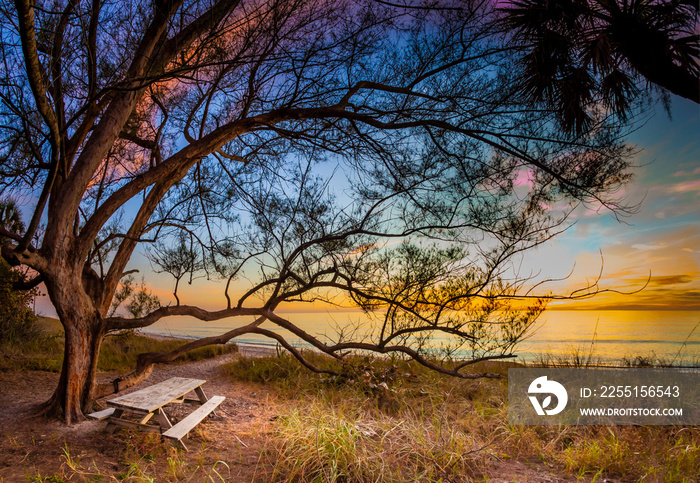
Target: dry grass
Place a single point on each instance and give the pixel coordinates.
(393, 420)
(139, 462)
(390, 420)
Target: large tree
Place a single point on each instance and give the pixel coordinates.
(197, 127)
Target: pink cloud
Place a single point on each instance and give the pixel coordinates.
(687, 173)
(686, 186)
(525, 177)
(596, 211)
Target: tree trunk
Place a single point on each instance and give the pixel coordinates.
(84, 332)
(74, 395)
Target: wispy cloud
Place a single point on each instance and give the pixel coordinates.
(652, 269)
(662, 280)
(686, 173)
(686, 186)
(643, 246)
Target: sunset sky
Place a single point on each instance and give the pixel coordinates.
(662, 238)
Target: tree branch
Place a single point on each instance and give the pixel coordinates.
(122, 323)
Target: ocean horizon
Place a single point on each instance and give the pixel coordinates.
(609, 336)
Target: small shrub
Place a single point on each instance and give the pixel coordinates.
(18, 323)
(265, 369)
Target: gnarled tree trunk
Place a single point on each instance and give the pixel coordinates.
(84, 331)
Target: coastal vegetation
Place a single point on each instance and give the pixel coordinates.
(404, 423)
(385, 419)
(43, 349)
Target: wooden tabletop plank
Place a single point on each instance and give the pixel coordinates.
(156, 396)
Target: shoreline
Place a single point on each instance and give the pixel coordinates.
(248, 349)
(685, 351)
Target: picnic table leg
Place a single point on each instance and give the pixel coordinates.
(146, 418)
(200, 394)
(117, 414)
(178, 443)
(165, 423)
(202, 397)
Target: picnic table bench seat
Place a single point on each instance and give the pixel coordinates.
(100, 415)
(180, 430)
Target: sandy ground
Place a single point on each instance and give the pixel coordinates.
(32, 447)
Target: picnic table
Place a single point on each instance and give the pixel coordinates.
(150, 401)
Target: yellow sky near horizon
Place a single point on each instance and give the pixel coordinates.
(663, 273)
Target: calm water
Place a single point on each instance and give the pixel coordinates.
(618, 333)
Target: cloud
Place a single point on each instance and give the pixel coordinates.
(648, 299)
(525, 177)
(661, 280)
(686, 173)
(661, 265)
(642, 246)
(686, 186)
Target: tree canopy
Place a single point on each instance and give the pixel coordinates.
(209, 131)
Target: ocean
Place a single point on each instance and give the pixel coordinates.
(610, 335)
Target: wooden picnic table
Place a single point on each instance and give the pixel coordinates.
(150, 401)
